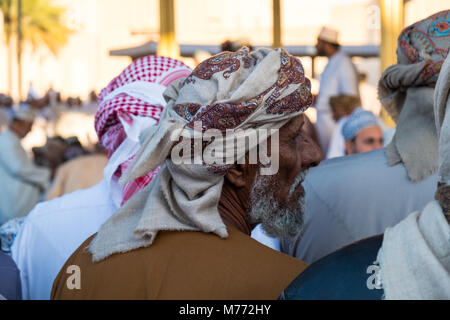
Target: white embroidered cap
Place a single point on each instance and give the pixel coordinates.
(329, 35)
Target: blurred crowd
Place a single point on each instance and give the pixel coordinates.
(39, 169)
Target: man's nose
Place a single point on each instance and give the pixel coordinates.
(311, 154)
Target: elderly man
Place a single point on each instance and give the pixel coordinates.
(130, 103)
(358, 196)
(411, 258)
(186, 235)
(362, 132)
(339, 77)
(22, 183)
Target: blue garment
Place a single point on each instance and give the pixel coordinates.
(347, 274)
(10, 288)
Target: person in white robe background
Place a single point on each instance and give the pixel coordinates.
(22, 182)
(339, 77)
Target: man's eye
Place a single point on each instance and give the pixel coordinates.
(295, 136)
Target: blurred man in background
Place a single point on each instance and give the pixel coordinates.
(339, 77)
(22, 182)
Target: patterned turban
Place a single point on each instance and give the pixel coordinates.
(357, 121)
(130, 103)
(406, 92)
(263, 89)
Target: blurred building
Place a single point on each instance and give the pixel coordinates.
(102, 25)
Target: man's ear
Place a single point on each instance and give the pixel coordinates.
(236, 176)
(241, 175)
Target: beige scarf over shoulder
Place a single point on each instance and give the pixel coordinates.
(406, 91)
(262, 89)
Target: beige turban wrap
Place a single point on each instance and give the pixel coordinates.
(263, 89)
(406, 91)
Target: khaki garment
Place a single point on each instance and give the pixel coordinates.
(183, 265)
(80, 173)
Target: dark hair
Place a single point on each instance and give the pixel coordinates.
(226, 45)
(235, 45)
(345, 101)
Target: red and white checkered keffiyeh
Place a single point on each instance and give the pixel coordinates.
(111, 133)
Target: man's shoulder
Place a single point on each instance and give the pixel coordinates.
(186, 264)
(359, 170)
(343, 56)
(355, 166)
(195, 248)
(236, 241)
(208, 247)
(180, 241)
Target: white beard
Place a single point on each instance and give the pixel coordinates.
(280, 223)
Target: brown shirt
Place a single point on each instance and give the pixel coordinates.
(80, 173)
(183, 265)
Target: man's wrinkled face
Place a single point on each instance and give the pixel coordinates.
(368, 139)
(277, 201)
